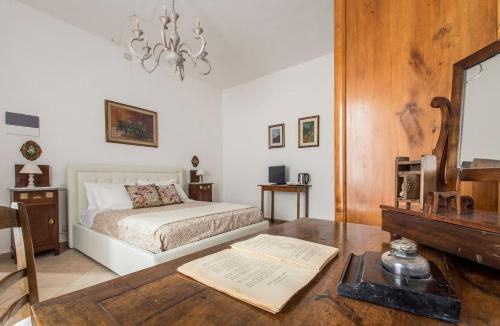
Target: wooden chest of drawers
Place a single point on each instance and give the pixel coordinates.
(43, 214)
(200, 191)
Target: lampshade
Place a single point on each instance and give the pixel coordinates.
(31, 169)
(200, 172)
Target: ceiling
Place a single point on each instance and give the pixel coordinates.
(247, 39)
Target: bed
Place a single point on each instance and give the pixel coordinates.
(110, 239)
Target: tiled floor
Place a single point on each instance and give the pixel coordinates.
(57, 275)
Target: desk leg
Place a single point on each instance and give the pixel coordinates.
(307, 201)
(262, 201)
(272, 206)
(298, 203)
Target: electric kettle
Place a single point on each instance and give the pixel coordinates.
(303, 178)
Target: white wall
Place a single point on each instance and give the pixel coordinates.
(285, 96)
(63, 74)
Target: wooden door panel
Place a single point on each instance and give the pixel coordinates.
(398, 56)
(42, 231)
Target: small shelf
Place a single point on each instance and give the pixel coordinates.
(403, 173)
(409, 162)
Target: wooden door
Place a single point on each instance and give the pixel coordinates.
(391, 58)
(41, 219)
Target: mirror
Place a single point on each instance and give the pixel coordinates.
(480, 125)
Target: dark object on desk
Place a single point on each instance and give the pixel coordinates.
(179, 300)
(41, 180)
(42, 205)
(303, 178)
(365, 279)
(277, 174)
(285, 188)
(200, 191)
(474, 235)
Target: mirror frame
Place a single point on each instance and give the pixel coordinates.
(454, 172)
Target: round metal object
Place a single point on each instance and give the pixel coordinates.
(403, 260)
(404, 248)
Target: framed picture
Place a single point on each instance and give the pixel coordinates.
(277, 136)
(309, 131)
(130, 125)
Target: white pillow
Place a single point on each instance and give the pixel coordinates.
(90, 196)
(156, 182)
(181, 193)
(108, 196)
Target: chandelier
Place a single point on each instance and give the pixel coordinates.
(170, 46)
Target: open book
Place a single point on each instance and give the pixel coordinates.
(265, 271)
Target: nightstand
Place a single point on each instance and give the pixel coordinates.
(201, 191)
(42, 205)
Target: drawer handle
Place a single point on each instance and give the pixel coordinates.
(51, 221)
(37, 197)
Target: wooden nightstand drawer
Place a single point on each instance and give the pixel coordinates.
(36, 197)
(200, 191)
(205, 188)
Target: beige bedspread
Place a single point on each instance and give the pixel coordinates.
(174, 234)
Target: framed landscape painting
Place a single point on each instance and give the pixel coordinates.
(130, 125)
(277, 136)
(309, 131)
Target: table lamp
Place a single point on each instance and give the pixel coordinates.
(31, 169)
(200, 174)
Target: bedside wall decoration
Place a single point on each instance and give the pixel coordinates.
(309, 131)
(276, 136)
(195, 161)
(22, 124)
(130, 125)
(31, 150)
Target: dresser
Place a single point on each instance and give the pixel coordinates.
(201, 191)
(42, 205)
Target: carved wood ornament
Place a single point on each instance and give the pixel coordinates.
(31, 150)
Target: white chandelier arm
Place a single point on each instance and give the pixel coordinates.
(183, 47)
(154, 55)
(204, 59)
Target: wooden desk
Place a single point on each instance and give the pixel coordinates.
(160, 296)
(285, 188)
(474, 235)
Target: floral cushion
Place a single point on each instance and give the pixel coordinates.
(144, 196)
(169, 195)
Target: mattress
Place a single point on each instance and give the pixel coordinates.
(182, 223)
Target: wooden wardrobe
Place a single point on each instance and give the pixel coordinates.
(391, 58)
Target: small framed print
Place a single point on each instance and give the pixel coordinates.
(309, 131)
(277, 136)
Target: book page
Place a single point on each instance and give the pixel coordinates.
(260, 281)
(292, 250)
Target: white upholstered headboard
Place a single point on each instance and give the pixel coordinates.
(128, 174)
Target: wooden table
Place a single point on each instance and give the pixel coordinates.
(160, 296)
(285, 188)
